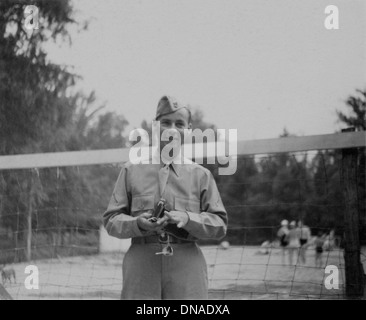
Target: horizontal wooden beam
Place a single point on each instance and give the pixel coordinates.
(307, 143)
(63, 159)
(265, 146)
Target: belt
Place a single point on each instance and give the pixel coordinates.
(162, 238)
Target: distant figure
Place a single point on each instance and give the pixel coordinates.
(264, 249)
(319, 243)
(293, 241)
(329, 241)
(282, 235)
(305, 236)
(7, 274)
(225, 245)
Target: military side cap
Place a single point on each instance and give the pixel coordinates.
(168, 105)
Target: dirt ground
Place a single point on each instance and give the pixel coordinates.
(237, 273)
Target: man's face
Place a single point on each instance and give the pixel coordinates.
(174, 123)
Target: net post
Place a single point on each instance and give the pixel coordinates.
(353, 267)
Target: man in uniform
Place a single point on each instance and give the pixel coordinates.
(164, 261)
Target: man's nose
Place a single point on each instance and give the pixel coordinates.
(172, 126)
(172, 131)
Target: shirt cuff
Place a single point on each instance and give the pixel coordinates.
(189, 226)
(136, 229)
(189, 219)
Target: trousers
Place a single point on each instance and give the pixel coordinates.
(147, 276)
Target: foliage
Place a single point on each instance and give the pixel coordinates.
(41, 112)
(357, 104)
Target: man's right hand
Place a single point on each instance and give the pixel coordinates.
(146, 225)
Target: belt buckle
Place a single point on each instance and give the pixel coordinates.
(163, 237)
(167, 250)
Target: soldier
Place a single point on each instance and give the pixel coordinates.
(164, 261)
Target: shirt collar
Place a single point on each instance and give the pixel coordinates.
(175, 168)
(175, 164)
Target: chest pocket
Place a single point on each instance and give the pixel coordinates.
(182, 204)
(142, 203)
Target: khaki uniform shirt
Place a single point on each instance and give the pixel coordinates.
(190, 188)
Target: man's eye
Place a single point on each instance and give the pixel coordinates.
(180, 125)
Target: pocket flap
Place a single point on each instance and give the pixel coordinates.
(144, 202)
(182, 204)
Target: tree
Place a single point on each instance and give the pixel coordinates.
(357, 118)
(325, 170)
(326, 198)
(34, 97)
(41, 112)
(37, 112)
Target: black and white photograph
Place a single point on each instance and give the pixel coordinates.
(197, 152)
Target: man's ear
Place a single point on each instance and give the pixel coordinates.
(190, 125)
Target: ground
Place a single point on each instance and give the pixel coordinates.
(237, 273)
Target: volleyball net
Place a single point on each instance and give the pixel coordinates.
(51, 207)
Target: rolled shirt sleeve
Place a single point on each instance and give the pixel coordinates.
(117, 219)
(212, 222)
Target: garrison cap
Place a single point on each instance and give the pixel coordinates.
(167, 105)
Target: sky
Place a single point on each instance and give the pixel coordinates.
(255, 66)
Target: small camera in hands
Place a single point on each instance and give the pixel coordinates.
(159, 211)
